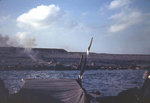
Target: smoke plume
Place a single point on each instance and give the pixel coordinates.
(21, 40)
(5, 41)
(25, 39)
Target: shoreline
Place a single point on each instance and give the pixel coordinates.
(70, 68)
(12, 58)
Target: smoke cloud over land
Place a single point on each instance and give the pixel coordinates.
(5, 41)
(20, 40)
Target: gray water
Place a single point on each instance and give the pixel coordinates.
(108, 82)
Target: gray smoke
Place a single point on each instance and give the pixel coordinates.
(16, 41)
(26, 43)
(33, 55)
(5, 41)
(22, 40)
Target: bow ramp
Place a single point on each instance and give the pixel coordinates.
(50, 91)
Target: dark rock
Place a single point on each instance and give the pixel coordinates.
(97, 93)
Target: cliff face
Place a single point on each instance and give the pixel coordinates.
(37, 58)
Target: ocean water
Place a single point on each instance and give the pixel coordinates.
(107, 82)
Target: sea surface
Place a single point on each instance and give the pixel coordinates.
(107, 82)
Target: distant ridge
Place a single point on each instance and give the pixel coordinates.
(65, 51)
(50, 58)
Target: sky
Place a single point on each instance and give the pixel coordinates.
(117, 26)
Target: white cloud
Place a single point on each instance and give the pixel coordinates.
(40, 17)
(127, 16)
(118, 4)
(124, 20)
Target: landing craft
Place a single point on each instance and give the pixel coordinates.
(54, 90)
(71, 90)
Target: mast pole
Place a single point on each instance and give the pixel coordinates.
(82, 65)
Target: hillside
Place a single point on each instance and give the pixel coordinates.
(38, 58)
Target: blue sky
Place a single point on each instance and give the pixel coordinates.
(117, 26)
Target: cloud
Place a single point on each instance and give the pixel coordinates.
(118, 4)
(40, 17)
(124, 20)
(61, 27)
(126, 17)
